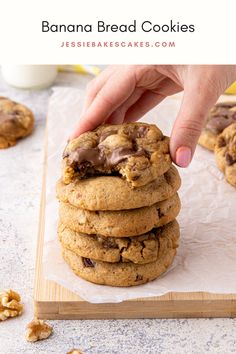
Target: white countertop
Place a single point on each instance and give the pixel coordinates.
(20, 178)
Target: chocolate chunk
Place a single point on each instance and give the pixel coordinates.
(88, 262)
(222, 112)
(139, 132)
(120, 154)
(96, 157)
(221, 142)
(92, 155)
(160, 214)
(17, 112)
(135, 178)
(221, 116)
(218, 124)
(139, 277)
(6, 117)
(229, 159)
(226, 104)
(109, 244)
(106, 134)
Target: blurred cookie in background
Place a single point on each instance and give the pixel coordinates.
(220, 117)
(225, 152)
(16, 122)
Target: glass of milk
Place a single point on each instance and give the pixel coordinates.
(29, 76)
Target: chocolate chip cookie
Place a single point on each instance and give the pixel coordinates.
(16, 121)
(114, 193)
(136, 151)
(225, 152)
(121, 273)
(141, 249)
(120, 223)
(220, 117)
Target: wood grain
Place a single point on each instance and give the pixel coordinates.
(52, 301)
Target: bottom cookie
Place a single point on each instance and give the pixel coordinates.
(118, 274)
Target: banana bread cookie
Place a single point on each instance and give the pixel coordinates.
(121, 273)
(136, 151)
(114, 193)
(220, 117)
(141, 249)
(120, 223)
(16, 121)
(225, 152)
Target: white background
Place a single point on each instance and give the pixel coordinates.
(22, 41)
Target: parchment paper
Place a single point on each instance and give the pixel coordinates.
(206, 258)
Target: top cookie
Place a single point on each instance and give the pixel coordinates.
(220, 117)
(16, 121)
(225, 152)
(137, 151)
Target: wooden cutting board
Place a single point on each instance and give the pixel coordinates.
(52, 301)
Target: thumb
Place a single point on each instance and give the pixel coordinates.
(189, 124)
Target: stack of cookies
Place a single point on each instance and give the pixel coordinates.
(219, 135)
(118, 204)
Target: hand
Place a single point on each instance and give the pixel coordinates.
(125, 93)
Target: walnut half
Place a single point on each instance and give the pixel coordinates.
(37, 330)
(10, 305)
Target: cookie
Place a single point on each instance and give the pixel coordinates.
(16, 121)
(114, 193)
(136, 151)
(146, 248)
(225, 152)
(121, 273)
(220, 117)
(120, 223)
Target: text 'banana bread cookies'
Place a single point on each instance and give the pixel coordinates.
(118, 205)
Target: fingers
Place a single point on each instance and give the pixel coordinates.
(150, 99)
(189, 124)
(95, 86)
(118, 115)
(145, 103)
(116, 90)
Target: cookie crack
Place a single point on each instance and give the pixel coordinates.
(124, 249)
(142, 249)
(160, 213)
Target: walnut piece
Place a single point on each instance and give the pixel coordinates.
(37, 330)
(10, 305)
(75, 351)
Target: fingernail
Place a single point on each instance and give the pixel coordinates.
(183, 156)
